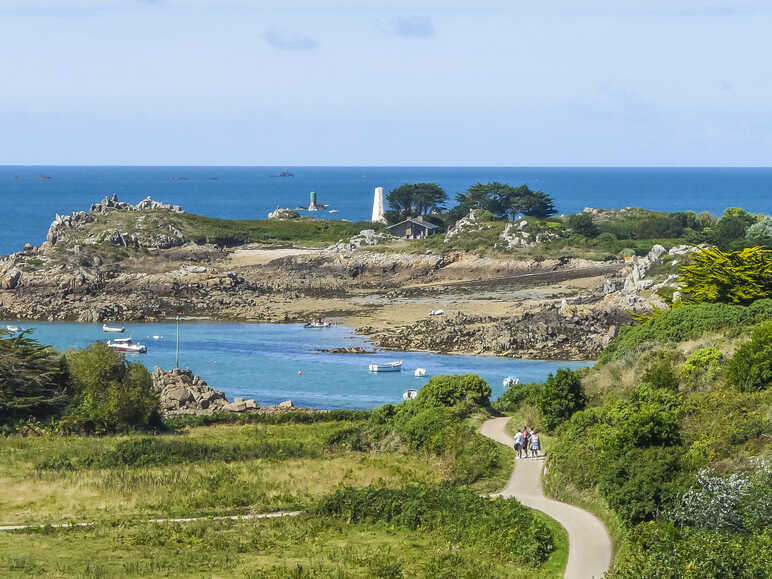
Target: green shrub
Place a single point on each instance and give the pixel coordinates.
(516, 395)
(735, 277)
(638, 483)
(111, 394)
(750, 369)
(704, 364)
(582, 224)
(561, 396)
(660, 374)
(685, 323)
(661, 550)
(503, 528)
(760, 233)
(449, 390)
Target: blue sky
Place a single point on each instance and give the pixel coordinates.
(396, 82)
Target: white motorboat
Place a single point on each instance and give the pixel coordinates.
(510, 381)
(115, 329)
(409, 394)
(318, 324)
(437, 312)
(420, 372)
(391, 367)
(12, 328)
(127, 345)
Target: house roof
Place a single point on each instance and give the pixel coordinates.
(426, 224)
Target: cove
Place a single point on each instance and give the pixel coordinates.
(262, 361)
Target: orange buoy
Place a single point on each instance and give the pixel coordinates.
(300, 372)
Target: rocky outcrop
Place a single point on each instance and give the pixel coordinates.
(155, 238)
(471, 222)
(517, 234)
(565, 332)
(284, 213)
(365, 238)
(183, 392)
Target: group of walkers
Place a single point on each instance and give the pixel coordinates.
(526, 440)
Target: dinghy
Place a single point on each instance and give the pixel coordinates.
(115, 329)
(391, 367)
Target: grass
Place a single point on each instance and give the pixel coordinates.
(304, 546)
(34, 490)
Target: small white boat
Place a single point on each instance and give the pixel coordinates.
(391, 367)
(158, 337)
(115, 329)
(409, 394)
(12, 328)
(127, 345)
(436, 312)
(510, 381)
(420, 372)
(319, 324)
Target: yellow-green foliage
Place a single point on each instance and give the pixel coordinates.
(734, 277)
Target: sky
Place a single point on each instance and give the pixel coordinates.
(378, 82)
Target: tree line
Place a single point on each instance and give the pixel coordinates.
(429, 200)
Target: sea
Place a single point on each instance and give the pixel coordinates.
(272, 363)
(31, 196)
(275, 362)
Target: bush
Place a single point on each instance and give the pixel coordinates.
(736, 277)
(661, 550)
(760, 233)
(503, 528)
(561, 396)
(638, 483)
(449, 390)
(111, 394)
(704, 365)
(686, 323)
(750, 369)
(516, 395)
(582, 224)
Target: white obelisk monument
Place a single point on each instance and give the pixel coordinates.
(378, 206)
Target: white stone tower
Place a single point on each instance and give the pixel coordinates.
(378, 206)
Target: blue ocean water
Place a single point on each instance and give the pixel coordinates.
(262, 361)
(28, 203)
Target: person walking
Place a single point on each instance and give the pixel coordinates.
(535, 444)
(520, 444)
(526, 436)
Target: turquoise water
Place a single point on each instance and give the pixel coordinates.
(262, 361)
(28, 204)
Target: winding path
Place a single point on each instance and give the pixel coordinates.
(589, 546)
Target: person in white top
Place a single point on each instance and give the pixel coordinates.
(520, 444)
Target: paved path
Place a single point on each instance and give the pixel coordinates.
(589, 546)
(189, 520)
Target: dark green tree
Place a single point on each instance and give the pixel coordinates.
(412, 200)
(561, 396)
(506, 201)
(750, 369)
(33, 379)
(582, 224)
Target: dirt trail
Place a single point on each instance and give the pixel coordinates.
(589, 546)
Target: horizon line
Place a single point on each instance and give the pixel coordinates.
(381, 166)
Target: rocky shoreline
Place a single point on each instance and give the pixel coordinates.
(126, 263)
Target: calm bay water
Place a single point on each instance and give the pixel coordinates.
(262, 361)
(29, 203)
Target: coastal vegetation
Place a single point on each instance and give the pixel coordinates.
(671, 448)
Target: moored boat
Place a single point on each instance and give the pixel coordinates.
(115, 329)
(390, 367)
(409, 394)
(318, 324)
(127, 345)
(420, 372)
(510, 381)
(12, 328)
